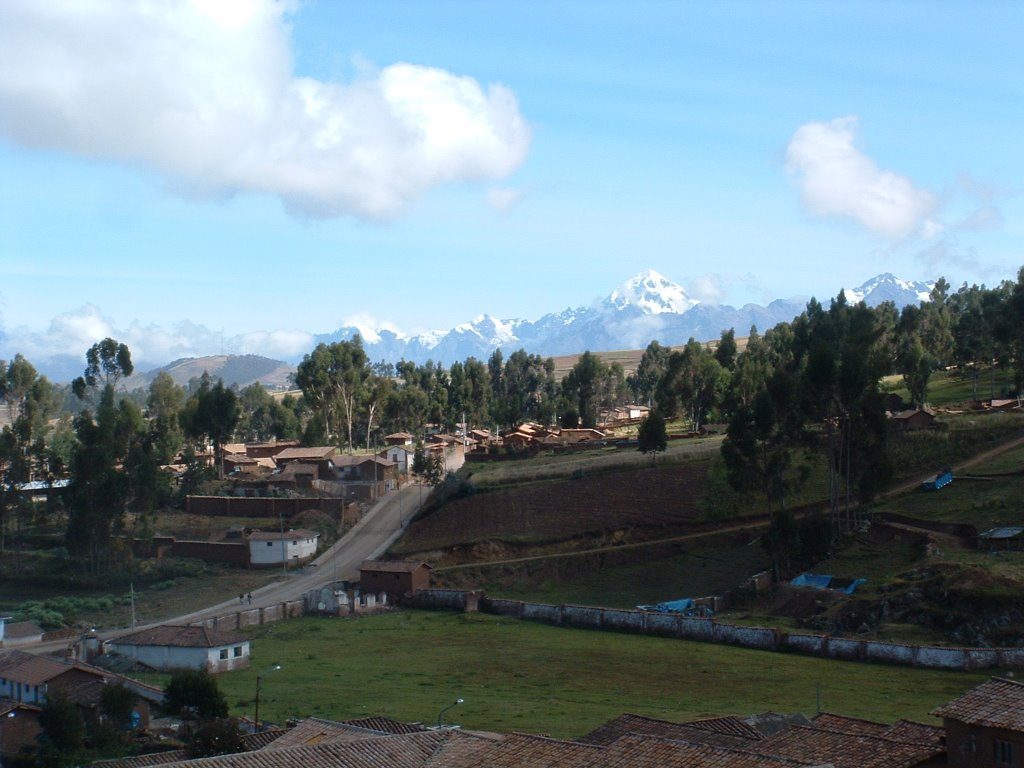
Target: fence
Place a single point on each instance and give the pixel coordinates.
(250, 617)
(713, 631)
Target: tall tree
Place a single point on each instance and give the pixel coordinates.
(652, 436)
(331, 378)
(582, 386)
(103, 490)
(692, 385)
(212, 412)
(107, 362)
(650, 369)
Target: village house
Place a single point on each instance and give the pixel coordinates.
(399, 439)
(913, 419)
(19, 633)
(985, 726)
(270, 449)
(295, 475)
(320, 456)
(169, 647)
(397, 578)
(26, 680)
(270, 548)
(401, 456)
(19, 728)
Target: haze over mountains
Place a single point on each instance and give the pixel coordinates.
(648, 306)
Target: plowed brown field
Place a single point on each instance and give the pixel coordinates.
(648, 502)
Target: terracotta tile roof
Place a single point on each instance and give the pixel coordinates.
(849, 724)
(653, 752)
(845, 750)
(28, 669)
(629, 724)
(407, 751)
(729, 725)
(297, 533)
(528, 751)
(315, 730)
(769, 723)
(317, 453)
(996, 703)
(16, 630)
(180, 637)
(250, 741)
(918, 733)
(386, 725)
(392, 566)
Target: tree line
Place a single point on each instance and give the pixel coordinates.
(813, 384)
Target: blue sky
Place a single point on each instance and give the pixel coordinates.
(234, 176)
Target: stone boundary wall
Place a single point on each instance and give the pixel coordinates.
(249, 617)
(259, 506)
(963, 530)
(712, 631)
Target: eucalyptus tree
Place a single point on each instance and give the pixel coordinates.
(692, 385)
(212, 412)
(650, 369)
(114, 469)
(30, 400)
(331, 378)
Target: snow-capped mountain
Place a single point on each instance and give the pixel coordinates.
(651, 293)
(888, 287)
(649, 306)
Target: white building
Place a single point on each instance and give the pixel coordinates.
(274, 547)
(400, 456)
(169, 647)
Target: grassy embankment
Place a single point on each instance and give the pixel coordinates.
(523, 676)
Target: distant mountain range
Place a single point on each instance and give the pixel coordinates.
(646, 307)
(649, 306)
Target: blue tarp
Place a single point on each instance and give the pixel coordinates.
(685, 606)
(821, 581)
(939, 481)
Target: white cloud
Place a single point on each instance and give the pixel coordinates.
(837, 179)
(70, 334)
(708, 289)
(204, 93)
(504, 198)
(988, 217)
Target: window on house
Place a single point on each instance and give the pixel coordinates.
(223, 653)
(270, 543)
(237, 651)
(1002, 752)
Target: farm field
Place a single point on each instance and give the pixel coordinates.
(945, 387)
(684, 569)
(522, 676)
(984, 503)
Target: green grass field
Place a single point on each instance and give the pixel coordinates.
(530, 677)
(948, 387)
(984, 503)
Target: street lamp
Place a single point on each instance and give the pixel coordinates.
(259, 682)
(440, 715)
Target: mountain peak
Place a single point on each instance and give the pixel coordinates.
(652, 294)
(888, 287)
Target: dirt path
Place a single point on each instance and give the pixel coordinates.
(974, 460)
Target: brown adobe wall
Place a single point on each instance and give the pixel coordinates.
(232, 553)
(259, 506)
